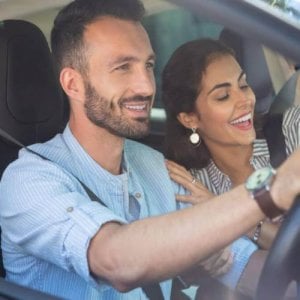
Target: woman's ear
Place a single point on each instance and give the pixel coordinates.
(188, 120)
(72, 83)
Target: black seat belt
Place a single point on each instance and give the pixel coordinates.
(152, 291)
(272, 130)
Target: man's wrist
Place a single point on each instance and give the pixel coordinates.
(259, 184)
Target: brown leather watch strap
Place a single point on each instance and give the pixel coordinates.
(266, 204)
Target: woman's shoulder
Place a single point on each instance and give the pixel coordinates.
(291, 128)
(292, 115)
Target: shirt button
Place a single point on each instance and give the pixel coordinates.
(138, 195)
(70, 209)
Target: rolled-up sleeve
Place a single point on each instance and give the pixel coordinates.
(56, 219)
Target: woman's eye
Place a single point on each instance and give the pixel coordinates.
(222, 98)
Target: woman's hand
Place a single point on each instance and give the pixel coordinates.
(218, 263)
(215, 265)
(179, 174)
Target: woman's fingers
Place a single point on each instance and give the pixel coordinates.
(180, 175)
(218, 263)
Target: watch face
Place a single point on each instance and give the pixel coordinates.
(259, 178)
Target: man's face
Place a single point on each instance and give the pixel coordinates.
(119, 85)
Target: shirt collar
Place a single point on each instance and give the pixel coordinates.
(81, 155)
(222, 181)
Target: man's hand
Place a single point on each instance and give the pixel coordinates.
(286, 185)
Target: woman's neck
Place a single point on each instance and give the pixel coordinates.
(234, 162)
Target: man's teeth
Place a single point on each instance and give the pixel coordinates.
(241, 119)
(135, 107)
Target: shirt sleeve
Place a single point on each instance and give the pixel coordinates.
(242, 250)
(291, 128)
(48, 215)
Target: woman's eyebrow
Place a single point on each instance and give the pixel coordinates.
(241, 75)
(217, 86)
(225, 84)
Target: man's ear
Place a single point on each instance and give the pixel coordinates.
(72, 83)
(188, 120)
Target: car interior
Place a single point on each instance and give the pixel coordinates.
(33, 108)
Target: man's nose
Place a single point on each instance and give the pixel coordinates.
(144, 83)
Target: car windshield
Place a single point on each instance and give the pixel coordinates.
(287, 10)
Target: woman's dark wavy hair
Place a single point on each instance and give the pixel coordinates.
(181, 85)
(69, 25)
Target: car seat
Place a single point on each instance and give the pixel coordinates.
(31, 102)
(251, 57)
(288, 95)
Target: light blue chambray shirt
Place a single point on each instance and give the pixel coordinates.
(48, 220)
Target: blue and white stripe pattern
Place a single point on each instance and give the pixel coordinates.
(48, 220)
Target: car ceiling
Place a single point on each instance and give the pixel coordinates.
(20, 8)
(236, 14)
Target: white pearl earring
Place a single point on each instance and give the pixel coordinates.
(195, 137)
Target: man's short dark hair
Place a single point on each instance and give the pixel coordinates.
(67, 34)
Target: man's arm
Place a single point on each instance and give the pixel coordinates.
(157, 248)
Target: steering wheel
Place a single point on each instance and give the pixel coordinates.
(283, 262)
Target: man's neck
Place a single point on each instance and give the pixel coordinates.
(105, 148)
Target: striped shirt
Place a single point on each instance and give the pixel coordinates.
(48, 220)
(218, 183)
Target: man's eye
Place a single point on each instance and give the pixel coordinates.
(150, 65)
(244, 86)
(124, 67)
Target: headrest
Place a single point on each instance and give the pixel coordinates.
(251, 57)
(31, 103)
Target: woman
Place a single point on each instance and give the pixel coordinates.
(210, 128)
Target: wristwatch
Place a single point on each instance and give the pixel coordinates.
(259, 184)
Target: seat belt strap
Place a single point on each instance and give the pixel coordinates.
(275, 139)
(152, 291)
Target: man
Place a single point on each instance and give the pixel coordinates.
(55, 238)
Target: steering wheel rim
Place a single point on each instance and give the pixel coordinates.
(283, 262)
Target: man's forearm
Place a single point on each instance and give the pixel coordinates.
(157, 248)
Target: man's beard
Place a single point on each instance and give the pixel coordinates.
(100, 112)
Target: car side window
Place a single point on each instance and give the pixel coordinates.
(171, 28)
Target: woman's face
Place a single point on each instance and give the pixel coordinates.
(225, 106)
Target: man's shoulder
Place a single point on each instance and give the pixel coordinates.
(134, 147)
(32, 154)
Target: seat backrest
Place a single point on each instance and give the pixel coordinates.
(251, 57)
(288, 95)
(31, 105)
